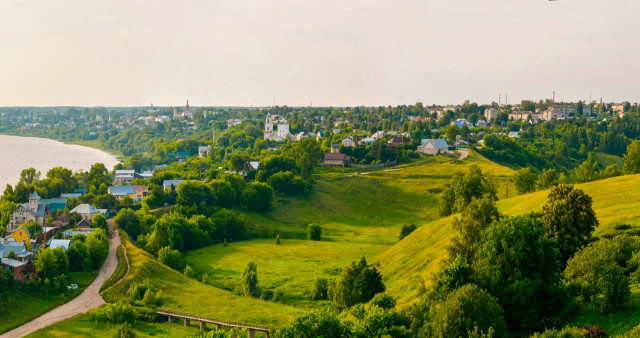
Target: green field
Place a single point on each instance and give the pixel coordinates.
(371, 207)
(289, 269)
(191, 296)
(20, 308)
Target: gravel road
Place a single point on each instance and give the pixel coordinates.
(90, 298)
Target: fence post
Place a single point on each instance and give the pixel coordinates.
(187, 322)
(203, 325)
(250, 333)
(171, 319)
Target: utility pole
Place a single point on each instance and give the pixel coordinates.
(507, 188)
(554, 96)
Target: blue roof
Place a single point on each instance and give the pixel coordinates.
(169, 183)
(71, 195)
(458, 123)
(34, 196)
(118, 190)
(17, 247)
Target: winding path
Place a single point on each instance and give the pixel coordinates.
(90, 298)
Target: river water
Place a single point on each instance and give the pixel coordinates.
(18, 153)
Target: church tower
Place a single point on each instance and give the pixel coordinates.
(268, 127)
(34, 200)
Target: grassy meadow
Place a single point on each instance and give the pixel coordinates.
(191, 296)
(288, 269)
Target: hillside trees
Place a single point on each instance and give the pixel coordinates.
(250, 286)
(464, 188)
(357, 283)
(525, 180)
(632, 158)
(519, 266)
(466, 308)
(475, 219)
(569, 217)
(601, 268)
(257, 196)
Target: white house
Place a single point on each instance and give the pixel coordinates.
(348, 142)
(433, 146)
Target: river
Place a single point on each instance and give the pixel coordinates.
(18, 153)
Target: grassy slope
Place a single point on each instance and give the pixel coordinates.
(416, 257)
(191, 296)
(360, 215)
(370, 208)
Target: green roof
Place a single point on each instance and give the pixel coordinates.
(81, 191)
(55, 204)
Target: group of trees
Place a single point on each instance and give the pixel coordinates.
(505, 274)
(87, 253)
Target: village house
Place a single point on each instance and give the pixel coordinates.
(336, 160)
(137, 192)
(618, 108)
(21, 235)
(396, 141)
(378, 135)
(367, 141)
(64, 244)
(88, 211)
(433, 146)
(169, 184)
(348, 142)
(121, 177)
(22, 257)
(27, 212)
(54, 205)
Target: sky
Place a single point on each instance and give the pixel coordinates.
(320, 52)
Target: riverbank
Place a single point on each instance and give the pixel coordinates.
(85, 143)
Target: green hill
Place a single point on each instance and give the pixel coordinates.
(414, 259)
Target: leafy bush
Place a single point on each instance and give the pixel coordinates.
(124, 331)
(406, 230)
(320, 289)
(170, 257)
(116, 313)
(314, 232)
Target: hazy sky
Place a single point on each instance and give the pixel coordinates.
(346, 52)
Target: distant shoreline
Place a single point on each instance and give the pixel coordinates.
(89, 144)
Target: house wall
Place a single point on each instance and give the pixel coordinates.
(19, 216)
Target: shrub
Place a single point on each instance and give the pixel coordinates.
(116, 313)
(124, 331)
(250, 280)
(278, 240)
(320, 289)
(406, 230)
(170, 257)
(314, 232)
(383, 301)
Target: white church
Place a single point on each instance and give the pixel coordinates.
(281, 133)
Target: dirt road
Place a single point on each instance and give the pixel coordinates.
(87, 300)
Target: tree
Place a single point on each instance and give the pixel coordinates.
(518, 264)
(601, 268)
(128, 221)
(406, 230)
(51, 263)
(464, 309)
(632, 158)
(547, 179)
(357, 283)
(170, 257)
(250, 280)
(314, 232)
(99, 221)
(569, 218)
(475, 219)
(586, 172)
(29, 176)
(525, 180)
(321, 323)
(610, 171)
(239, 162)
(463, 188)
(320, 289)
(195, 198)
(97, 247)
(99, 174)
(451, 278)
(258, 196)
(274, 164)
